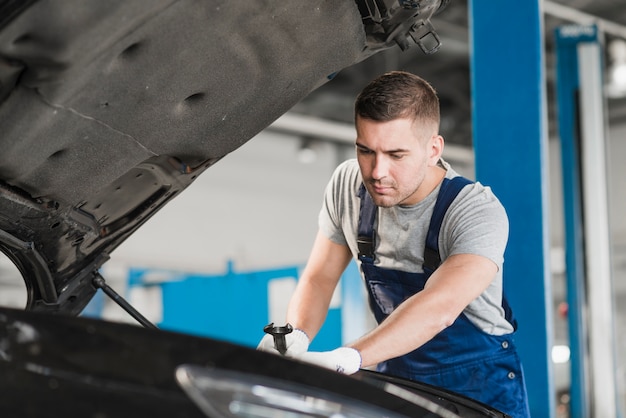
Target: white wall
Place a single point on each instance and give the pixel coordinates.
(257, 207)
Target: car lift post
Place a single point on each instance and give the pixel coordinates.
(582, 134)
(510, 139)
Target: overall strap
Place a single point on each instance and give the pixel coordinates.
(367, 215)
(365, 232)
(448, 191)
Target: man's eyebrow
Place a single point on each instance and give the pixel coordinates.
(396, 151)
(390, 151)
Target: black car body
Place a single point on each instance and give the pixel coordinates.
(108, 110)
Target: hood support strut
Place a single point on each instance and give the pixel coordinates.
(99, 283)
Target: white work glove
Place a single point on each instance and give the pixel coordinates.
(344, 360)
(297, 342)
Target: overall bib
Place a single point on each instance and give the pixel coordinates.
(462, 358)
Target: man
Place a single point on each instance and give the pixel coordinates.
(399, 209)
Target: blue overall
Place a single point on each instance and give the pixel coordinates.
(462, 358)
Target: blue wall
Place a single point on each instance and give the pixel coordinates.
(233, 306)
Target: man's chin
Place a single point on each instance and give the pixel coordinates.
(384, 201)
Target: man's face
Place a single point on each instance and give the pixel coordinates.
(395, 158)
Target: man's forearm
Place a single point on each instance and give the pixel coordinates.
(418, 319)
(406, 329)
(308, 308)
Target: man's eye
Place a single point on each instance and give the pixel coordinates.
(364, 151)
(397, 156)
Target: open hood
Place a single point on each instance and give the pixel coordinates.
(109, 109)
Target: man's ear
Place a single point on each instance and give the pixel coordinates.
(436, 149)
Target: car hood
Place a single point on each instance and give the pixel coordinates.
(109, 109)
(78, 366)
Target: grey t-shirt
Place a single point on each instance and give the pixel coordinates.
(475, 223)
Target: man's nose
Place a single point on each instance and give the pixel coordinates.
(380, 167)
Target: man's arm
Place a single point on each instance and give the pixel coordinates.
(458, 281)
(309, 304)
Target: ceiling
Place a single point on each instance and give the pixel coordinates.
(448, 69)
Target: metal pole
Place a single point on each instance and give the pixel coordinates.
(100, 283)
(567, 91)
(596, 230)
(510, 142)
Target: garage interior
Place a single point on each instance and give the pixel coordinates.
(254, 214)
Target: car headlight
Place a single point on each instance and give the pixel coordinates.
(230, 394)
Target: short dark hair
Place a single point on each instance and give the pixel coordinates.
(398, 94)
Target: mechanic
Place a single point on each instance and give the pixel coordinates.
(400, 209)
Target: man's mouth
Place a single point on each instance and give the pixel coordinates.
(381, 188)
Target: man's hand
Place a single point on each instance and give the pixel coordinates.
(297, 342)
(344, 360)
